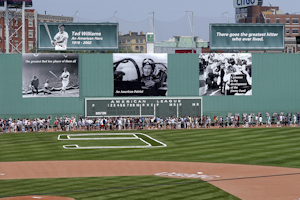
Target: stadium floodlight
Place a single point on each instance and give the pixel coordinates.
(227, 15)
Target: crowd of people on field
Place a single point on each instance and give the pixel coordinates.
(252, 120)
(145, 123)
(24, 125)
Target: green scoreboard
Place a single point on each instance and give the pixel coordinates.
(143, 107)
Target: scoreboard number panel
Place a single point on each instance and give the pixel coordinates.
(143, 107)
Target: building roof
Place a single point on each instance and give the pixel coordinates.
(183, 42)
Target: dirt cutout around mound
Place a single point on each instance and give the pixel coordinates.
(243, 181)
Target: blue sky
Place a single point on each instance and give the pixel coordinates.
(171, 16)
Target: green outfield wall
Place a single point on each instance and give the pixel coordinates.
(275, 86)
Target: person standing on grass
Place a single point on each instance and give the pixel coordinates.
(208, 121)
(260, 120)
(281, 120)
(268, 121)
(221, 121)
(203, 122)
(256, 120)
(273, 119)
(278, 121)
(295, 119)
(226, 121)
(238, 121)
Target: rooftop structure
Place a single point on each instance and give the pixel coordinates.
(31, 20)
(133, 41)
(272, 14)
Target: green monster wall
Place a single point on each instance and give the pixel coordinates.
(274, 77)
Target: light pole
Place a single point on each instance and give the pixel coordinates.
(116, 15)
(192, 28)
(227, 15)
(153, 27)
(76, 14)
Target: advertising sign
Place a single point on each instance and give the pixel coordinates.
(50, 75)
(149, 37)
(246, 3)
(225, 74)
(143, 107)
(77, 36)
(246, 36)
(140, 74)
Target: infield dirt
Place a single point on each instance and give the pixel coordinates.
(243, 181)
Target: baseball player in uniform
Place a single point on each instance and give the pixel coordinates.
(46, 87)
(61, 38)
(65, 76)
(34, 84)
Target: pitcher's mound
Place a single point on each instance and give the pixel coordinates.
(37, 197)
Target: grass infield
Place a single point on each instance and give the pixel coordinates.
(256, 146)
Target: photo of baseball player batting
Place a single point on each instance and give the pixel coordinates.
(50, 75)
(225, 74)
(140, 74)
(60, 40)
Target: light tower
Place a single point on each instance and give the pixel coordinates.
(13, 9)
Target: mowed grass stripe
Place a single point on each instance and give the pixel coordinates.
(195, 140)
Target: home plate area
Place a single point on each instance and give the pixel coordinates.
(109, 140)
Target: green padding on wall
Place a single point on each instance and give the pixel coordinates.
(183, 75)
(274, 76)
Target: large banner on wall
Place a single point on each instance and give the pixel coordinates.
(140, 74)
(78, 36)
(246, 36)
(50, 75)
(225, 74)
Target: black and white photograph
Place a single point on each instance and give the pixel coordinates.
(140, 74)
(50, 75)
(60, 39)
(225, 74)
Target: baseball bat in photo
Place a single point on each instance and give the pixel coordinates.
(53, 74)
(47, 29)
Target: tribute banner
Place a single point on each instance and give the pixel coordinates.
(140, 74)
(246, 36)
(78, 36)
(225, 74)
(50, 75)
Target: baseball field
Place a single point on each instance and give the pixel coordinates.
(178, 164)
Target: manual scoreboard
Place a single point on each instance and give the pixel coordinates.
(143, 107)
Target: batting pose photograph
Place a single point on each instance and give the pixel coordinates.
(50, 75)
(60, 39)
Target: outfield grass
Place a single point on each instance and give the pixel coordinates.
(268, 146)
